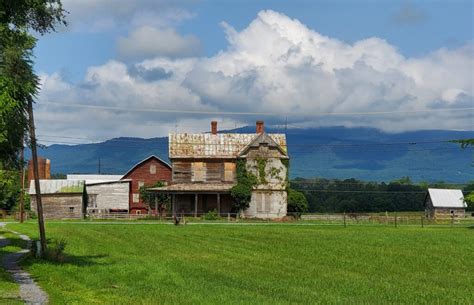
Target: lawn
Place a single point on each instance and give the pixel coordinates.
(256, 264)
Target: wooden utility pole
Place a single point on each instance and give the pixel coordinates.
(39, 203)
(22, 183)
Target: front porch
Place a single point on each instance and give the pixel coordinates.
(198, 199)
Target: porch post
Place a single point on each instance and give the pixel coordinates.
(218, 204)
(173, 204)
(195, 205)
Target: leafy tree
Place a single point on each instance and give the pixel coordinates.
(18, 82)
(297, 203)
(155, 201)
(9, 189)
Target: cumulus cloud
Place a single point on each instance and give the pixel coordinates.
(145, 42)
(276, 64)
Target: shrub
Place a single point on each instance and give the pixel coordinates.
(242, 192)
(211, 215)
(297, 203)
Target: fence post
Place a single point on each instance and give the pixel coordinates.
(228, 217)
(395, 219)
(422, 224)
(452, 219)
(344, 219)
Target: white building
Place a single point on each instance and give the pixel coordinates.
(444, 203)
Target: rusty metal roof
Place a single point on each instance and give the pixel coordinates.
(222, 145)
(194, 187)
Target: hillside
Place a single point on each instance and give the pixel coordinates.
(331, 152)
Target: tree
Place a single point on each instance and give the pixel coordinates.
(155, 201)
(18, 82)
(297, 203)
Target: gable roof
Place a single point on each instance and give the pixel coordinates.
(263, 138)
(144, 161)
(447, 198)
(58, 186)
(221, 145)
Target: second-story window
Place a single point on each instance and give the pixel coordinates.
(152, 169)
(198, 170)
(229, 171)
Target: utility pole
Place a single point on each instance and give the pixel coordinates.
(39, 203)
(99, 167)
(22, 177)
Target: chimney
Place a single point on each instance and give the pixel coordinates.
(214, 127)
(259, 127)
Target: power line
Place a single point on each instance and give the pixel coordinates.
(208, 112)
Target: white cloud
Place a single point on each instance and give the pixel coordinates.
(103, 15)
(276, 64)
(145, 42)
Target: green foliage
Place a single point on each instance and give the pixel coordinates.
(155, 201)
(464, 142)
(211, 215)
(10, 189)
(470, 201)
(242, 192)
(261, 164)
(352, 195)
(297, 203)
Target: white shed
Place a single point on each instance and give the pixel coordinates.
(443, 203)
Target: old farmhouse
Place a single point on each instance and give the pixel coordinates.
(61, 198)
(444, 203)
(204, 171)
(145, 173)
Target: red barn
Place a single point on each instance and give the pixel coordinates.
(146, 173)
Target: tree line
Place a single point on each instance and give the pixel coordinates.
(352, 195)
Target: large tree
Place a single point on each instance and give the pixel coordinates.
(18, 82)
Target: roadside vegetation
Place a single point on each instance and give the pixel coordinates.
(258, 264)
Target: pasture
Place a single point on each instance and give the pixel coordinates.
(140, 263)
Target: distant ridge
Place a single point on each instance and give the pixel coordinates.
(329, 152)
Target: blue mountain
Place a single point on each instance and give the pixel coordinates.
(328, 152)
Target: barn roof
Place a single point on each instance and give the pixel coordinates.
(222, 145)
(143, 161)
(58, 186)
(447, 198)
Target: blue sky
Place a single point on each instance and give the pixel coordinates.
(432, 25)
(291, 57)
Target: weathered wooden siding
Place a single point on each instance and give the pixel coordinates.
(203, 171)
(61, 206)
(110, 196)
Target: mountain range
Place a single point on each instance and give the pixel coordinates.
(329, 152)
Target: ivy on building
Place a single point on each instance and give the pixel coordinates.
(242, 192)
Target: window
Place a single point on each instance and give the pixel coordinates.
(136, 198)
(71, 209)
(141, 184)
(229, 171)
(138, 212)
(452, 212)
(198, 171)
(152, 169)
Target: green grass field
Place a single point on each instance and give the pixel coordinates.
(257, 264)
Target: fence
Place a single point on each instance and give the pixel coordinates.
(394, 219)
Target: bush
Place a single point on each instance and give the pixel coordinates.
(54, 252)
(297, 203)
(211, 215)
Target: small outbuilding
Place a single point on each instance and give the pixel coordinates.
(62, 199)
(444, 203)
(105, 193)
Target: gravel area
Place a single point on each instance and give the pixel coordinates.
(30, 292)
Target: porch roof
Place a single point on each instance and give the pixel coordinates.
(194, 188)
